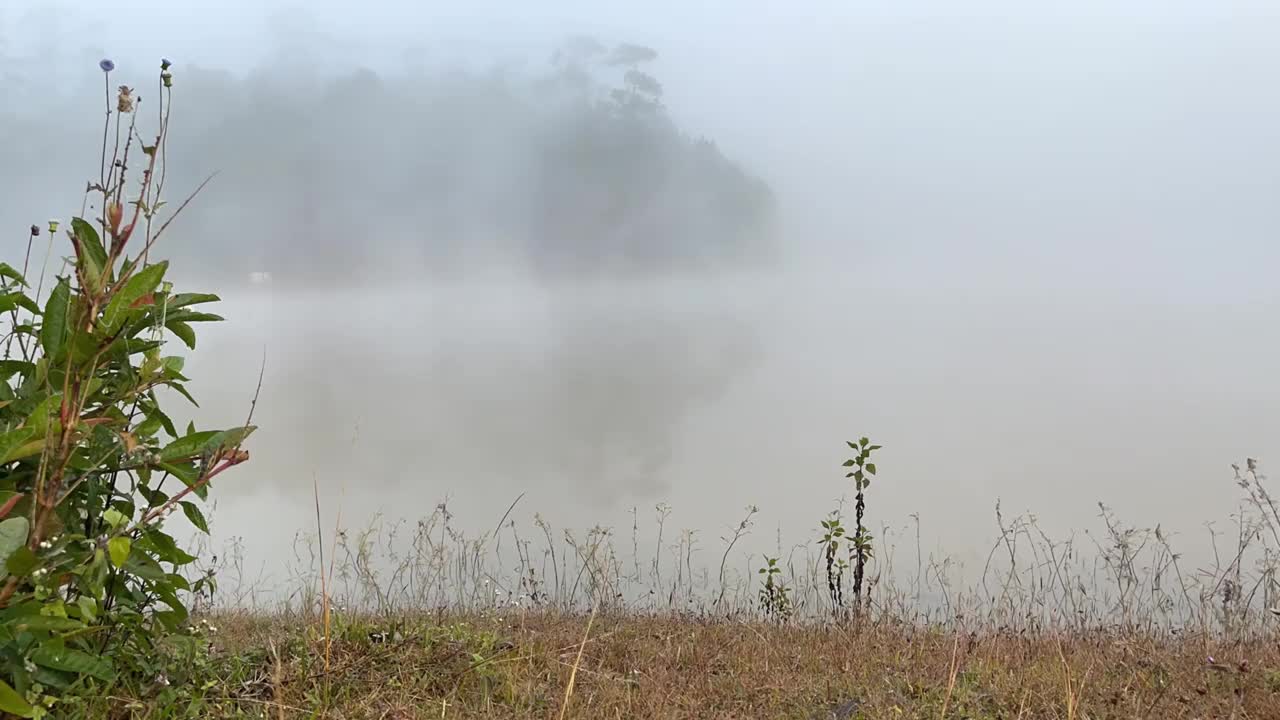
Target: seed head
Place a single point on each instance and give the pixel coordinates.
(106, 65)
(124, 103)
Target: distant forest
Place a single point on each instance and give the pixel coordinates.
(576, 170)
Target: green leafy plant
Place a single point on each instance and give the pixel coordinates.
(861, 470)
(91, 467)
(832, 532)
(775, 596)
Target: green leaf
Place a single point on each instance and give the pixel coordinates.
(190, 316)
(7, 271)
(183, 331)
(848, 463)
(13, 703)
(9, 368)
(231, 438)
(82, 346)
(144, 567)
(118, 548)
(31, 449)
(173, 365)
(182, 390)
(871, 468)
(145, 281)
(53, 678)
(53, 332)
(92, 275)
(12, 300)
(148, 427)
(38, 419)
(154, 498)
(864, 442)
(205, 442)
(185, 299)
(163, 547)
(46, 623)
(13, 442)
(195, 516)
(90, 241)
(171, 619)
(187, 446)
(155, 412)
(76, 661)
(186, 472)
(88, 608)
(114, 517)
(21, 562)
(170, 598)
(13, 535)
(178, 582)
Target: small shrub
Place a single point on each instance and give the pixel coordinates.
(832, 533)
(90, 465)
(861, 470)
(775, 598)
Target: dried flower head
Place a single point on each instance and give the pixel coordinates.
(35, 230)
(115, 213)
(124, 103)
(106, 65)
(167, 78)
(165, 64)
(53, 226)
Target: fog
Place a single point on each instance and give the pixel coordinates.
(1028, 247)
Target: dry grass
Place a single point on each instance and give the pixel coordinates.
(522, 665)
(433, 623)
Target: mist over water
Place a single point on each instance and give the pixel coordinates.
(1027, 250)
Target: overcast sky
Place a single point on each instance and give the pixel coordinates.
(1029, 246)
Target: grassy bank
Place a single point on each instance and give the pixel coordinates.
(554, 665)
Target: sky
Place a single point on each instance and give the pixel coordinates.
(1029, 247)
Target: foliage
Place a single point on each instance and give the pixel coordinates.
(775, 598)
(861, 469)
(832, 532)
(90, 465)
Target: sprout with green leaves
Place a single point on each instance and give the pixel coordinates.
(861, 470)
